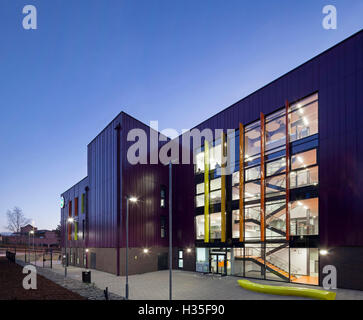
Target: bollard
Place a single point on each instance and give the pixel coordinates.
(106, 293)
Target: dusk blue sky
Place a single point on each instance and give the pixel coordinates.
(175, 61)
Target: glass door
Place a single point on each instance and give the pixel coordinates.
(218, 264)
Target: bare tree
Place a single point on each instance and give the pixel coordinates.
(16, 219)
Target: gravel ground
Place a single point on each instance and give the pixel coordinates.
(86, 291)
(11, 284)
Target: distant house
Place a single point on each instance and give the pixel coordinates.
(40, 238)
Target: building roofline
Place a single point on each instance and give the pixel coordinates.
(121, 113)
(74, 185)
(280, 77)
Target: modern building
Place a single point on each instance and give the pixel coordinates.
(287, 205)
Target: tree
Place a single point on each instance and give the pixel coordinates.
(58, 230)
(16, 219)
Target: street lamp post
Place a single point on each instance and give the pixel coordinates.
(69, 220)
(132, 199)
(170, 231)
(30, 232)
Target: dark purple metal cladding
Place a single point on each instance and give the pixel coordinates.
(337, 75)
(102, 169)
(144, 182)
(76, 191)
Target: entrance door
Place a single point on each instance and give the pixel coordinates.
(218, 264)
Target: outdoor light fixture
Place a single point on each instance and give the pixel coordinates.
(31, 231)
(133, 199)
(70, 220)
(323, 252)
(87, 250)
(189, 250)
(146, 250)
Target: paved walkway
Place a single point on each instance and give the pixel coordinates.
(186, 286)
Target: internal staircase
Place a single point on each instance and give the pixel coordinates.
(272, 263)
(272, 268)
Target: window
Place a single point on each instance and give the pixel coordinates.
(275, 186)
(180, 259)
(304, 118)
(252, 222)
(69, 225)
(235, 185)
(199, 161)
(215, 155)
(275, 130)
(303, 160)
(215, 225)
(76, 206)
(252, 140)
(75, 230)
(253, 173)
(215, 190)
(275, 219)
(163, 197)
(162, 227)
(306, 177)
(304, 217)
(252, 190)
(199, 227)
(235, 223)
(199, 198)
(276, 167)
(304, 264)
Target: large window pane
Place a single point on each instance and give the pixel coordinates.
(215, 184)
(275, 186)
(235, 224)
(215, 156)
(303, 160)
(253, 173)
(276, 133)
(199, 162)
(277, 262)
(253, 140)
(235, 185)
(215, 197)
(276, 167)
(304, 217)
(237, 262)
(304, 265)
(215, 225)
(200, 188)
(199, 201)
(252, 190)
(302, 178)
(304, 121)
(252, 222)
(202, 260)
(199, 227)
(275, 220)
(254, 264)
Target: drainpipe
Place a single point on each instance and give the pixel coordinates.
(118, 191)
